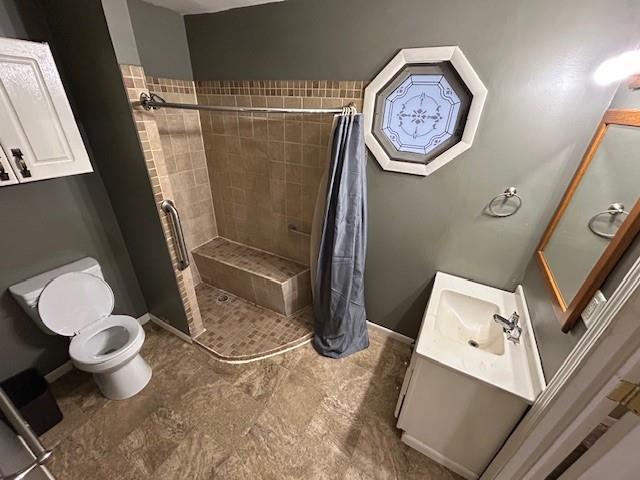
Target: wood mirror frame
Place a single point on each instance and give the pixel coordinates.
(569, 314)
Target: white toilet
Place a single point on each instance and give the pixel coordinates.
(76, 302)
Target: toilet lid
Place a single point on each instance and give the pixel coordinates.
(74, 301)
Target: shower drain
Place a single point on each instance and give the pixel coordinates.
(473, 343)
(222, 298)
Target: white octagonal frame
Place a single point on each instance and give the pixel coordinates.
(410, 56)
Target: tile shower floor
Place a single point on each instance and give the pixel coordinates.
(293, 416)
(239, 330)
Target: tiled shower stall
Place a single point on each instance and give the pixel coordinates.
(245, 185)
(265, 168)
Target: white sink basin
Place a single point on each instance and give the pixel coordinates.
(458, 331)
(467, 320)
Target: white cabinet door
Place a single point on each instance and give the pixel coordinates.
(37, 128)
(7, 177)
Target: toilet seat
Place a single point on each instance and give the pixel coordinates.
(79, 305)
(85, 350)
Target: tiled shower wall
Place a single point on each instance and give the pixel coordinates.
(265, 168)
(261, 172)
(185, 162)
(161, 174)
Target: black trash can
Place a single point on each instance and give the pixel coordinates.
(29, 392)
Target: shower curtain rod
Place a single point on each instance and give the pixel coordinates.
(153, 101)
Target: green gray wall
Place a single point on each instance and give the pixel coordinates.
(161, 39)
(105, 111)
(49, 223)
(151, 36)
(536, 59)
(117, 15)
(554, 346)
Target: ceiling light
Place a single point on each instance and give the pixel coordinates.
(618, 67)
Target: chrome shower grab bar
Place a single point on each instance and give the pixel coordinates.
(153, 101)
(614, 210)
(170, 209)
(30, 438)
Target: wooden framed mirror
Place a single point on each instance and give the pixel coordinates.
(597, 219)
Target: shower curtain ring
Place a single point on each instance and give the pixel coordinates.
(349, 110)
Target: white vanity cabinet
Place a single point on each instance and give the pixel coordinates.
(467, 385)
(39, 137)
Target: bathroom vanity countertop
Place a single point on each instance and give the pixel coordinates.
(515, 368)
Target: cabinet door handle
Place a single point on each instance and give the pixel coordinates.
(4, 176)
(22, 165)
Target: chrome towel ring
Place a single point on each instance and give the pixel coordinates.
(614, 210)
(509, 193)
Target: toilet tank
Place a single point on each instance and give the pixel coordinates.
(26, 293)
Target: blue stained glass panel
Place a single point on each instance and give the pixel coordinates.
(421, 113)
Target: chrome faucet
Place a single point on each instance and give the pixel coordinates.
(510, 326)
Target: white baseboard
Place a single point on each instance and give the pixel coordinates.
(143, 319)
(169, 328)
(55, 374)
(390, 333)
(438, 457)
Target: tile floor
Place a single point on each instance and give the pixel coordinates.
(239, 330)
(293, 416)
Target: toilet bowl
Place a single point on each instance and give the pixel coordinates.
(80, 305)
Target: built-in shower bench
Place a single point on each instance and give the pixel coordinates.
(265, 279)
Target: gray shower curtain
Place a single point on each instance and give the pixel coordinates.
(340, 319)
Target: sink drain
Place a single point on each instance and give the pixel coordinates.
(473, 343)
(222, 298)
